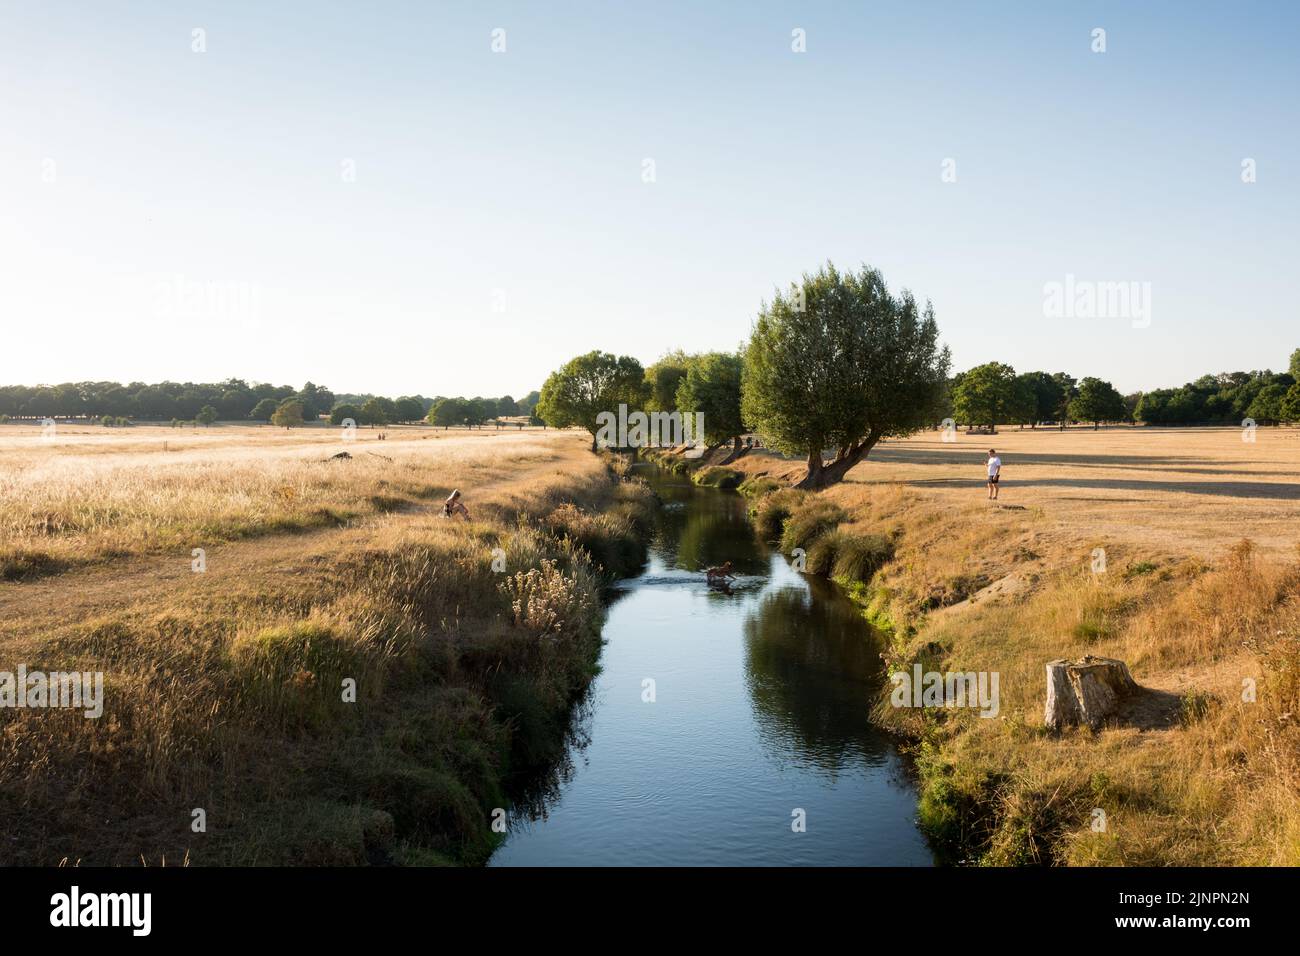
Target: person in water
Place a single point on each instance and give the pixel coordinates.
(453, 506)
(720, 575)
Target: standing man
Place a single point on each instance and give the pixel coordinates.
(995, 469)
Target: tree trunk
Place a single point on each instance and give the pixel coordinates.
(1085, 691)
(813, 479)
(821, 474)
(736, 451)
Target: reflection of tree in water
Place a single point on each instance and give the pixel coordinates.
(812, 665)
(713, 530)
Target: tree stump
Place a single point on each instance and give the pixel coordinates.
(1085, 691)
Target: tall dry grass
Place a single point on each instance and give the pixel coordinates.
(1192, 773)
(87, 498)
(229, 692)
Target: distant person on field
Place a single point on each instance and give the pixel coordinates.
(995, 471)
(453, 506)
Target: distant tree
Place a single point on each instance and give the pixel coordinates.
(529, 402)
(206, 416)
(711, 386)
(408, 409)
(664, 379)
(988, 395)
(341, 413)
(1291, 403)
(1295, 365)
(479, 410)
(1023, 409)
(1066, 389)
(1097, 402)
(447, 412)
(378, 411)
(1131, 403)
(264, 409)
(1267, 404)
(507, 407)
(315, 400)
(1049, 395)
(840, 363)
(588, 385)
(288, 415)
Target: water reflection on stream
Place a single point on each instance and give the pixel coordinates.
(761, 708)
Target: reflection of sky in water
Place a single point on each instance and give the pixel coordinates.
(762, 707)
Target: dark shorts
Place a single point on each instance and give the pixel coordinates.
(993, 479)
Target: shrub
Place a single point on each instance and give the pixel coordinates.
(771, 512)
(757, 487)
(810, 522)
(543, 600)
(848, 557)
(614, 541)
(821, 554)
(859, 557)
(717, 477)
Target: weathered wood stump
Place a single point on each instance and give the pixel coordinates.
(1085, 691)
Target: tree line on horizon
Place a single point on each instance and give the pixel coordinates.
(993, 394)
(237, 400)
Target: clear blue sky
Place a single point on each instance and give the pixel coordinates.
(518, 176)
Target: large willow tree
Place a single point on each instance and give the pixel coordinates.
(838, 363)
(588, 385)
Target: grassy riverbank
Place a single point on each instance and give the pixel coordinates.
(1202, 768)
(226, 691)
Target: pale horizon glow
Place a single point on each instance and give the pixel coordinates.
(498, 222)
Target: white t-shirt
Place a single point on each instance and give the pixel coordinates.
(995, 465)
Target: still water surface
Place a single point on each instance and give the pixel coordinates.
(761, 708)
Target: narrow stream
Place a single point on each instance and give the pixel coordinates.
(760, 709)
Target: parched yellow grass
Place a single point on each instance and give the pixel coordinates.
(223, 688)
(1200, 597)
(93, 493)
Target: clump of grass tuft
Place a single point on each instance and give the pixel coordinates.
(848, 557)
(19, 564)
(716, 476)
(859, 556)
(294, 672)
(759, 486)
(809, 522)
(1139, 568)
(771, 512)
